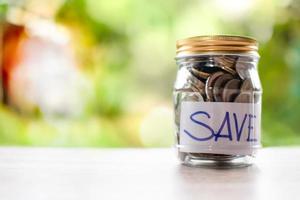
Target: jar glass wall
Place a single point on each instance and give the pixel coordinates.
(217, 103)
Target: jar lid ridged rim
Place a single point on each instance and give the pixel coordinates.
(216, 43)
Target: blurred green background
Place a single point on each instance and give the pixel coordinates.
(100, 73)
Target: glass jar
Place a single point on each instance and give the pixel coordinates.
(217, 101)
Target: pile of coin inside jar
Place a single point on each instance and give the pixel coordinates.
(215, 78)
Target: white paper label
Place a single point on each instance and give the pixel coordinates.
(221, 128)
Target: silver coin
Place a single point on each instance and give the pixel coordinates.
(229, 70)
(210, 83)
(247, 86)
(185, 80)
(226, 61)
(219, 86)
(231, 90)
(243, 98)
(248, 97)
(199, 74)
(194, 82)
(244, 68)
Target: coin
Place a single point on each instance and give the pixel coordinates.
(199, 74)
(243, 98)
(244, 69)
(247, 86)
(185, 80)
(228, 61)
(196, 84)
(219, 86)
(210, 83)
(208, 69)
(231, 90)
(229, 70)
(198, 62)
(248, 93)
(211, 156)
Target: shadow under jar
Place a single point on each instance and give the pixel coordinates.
(217, 101)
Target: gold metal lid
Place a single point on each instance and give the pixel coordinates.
(216, 44)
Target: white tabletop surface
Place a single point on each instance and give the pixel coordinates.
(73, 174)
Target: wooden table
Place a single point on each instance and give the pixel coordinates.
(73, 174)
